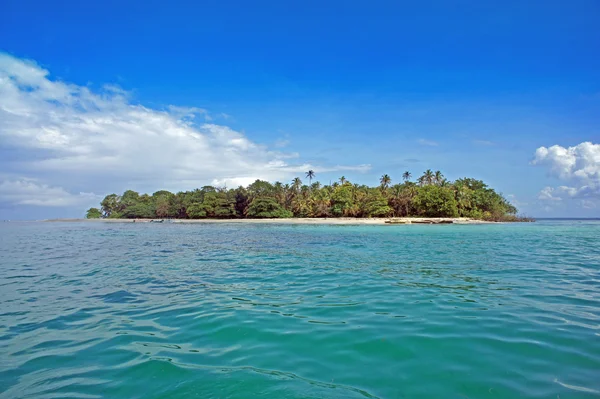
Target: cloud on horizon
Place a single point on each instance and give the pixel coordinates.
(75, 145)
(578, 167)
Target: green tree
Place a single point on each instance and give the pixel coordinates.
(433, 196)
(260, 188)
(138, 211)
(162, 203)
(129, 198)
(427, 178)
(375, 205)
(438, 178)
(342, 201)
(435, 201)
(93, 213)
(296, 184)
(385, 181)
(267, 207)
(110, 205)
(217, 205)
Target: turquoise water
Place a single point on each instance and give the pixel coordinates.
(95, 310)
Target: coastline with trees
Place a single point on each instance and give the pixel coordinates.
(430, 196)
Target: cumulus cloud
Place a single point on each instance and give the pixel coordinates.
(581, 162)
(84, 140)
(577, 166)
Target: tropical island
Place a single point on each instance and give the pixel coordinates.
(431, 196)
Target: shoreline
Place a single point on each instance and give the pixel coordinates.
(313, 221)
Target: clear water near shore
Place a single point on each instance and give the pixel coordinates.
(298, 311)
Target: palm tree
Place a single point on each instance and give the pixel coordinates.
(296, 184)
(406, 176)
(310, 175)
(385, 181)
(279, 192)
(409, 193)
(343, 180)
(438, 177)
(428, 177)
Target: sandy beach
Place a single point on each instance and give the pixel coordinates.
(329, 221)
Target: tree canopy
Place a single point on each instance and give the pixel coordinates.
(432, 195)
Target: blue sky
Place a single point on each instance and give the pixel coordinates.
(99, 97)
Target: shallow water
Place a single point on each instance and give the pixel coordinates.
(282, 311)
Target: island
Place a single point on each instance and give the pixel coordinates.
(430, 199)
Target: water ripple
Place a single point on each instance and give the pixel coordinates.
(127, 311)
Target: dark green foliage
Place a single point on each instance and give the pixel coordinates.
(215, 205)
(110, 204)
(341, 201)
(267, 207)
(376, 205)
(93, 213)
(435, 201)
(432, 196)
(138, 211)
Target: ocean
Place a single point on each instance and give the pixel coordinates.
(98, 310)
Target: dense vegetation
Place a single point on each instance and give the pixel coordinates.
(431, 196)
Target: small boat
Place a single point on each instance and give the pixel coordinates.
(397, 221)
(156, 221)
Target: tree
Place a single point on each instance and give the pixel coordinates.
(438, 177)
(138, 211)
(427, 178)
(342, 201)
(296, 184)
(310, 175)
(258, 188)
(129, 198)
(217, 205)
(110, 205)
(162, 203)
(385, 181)
(375, 205)
(93, 213)
(267, 207)
(435, 201)
(433, 196)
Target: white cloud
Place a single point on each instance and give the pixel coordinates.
(581, 162)
(578, 166)
(29, 192)
(100, 141)
(430, 143)
(188, 112)
(547, 194)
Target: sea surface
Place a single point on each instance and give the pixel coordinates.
(95, 310)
